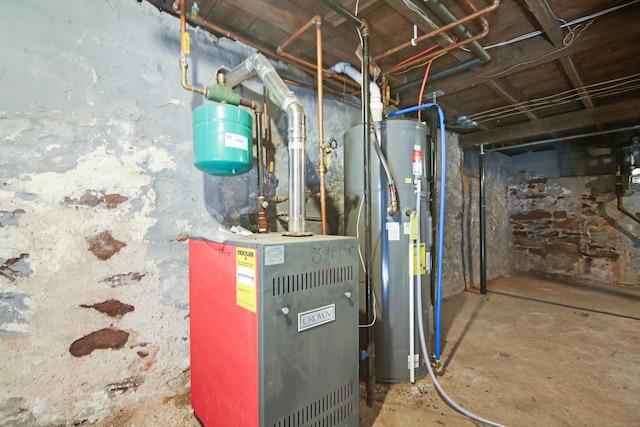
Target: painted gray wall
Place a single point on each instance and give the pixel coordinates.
(98, 196)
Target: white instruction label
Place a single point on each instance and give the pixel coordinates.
(274, 255)
(233, 140)
(407, 227)
(393, 231)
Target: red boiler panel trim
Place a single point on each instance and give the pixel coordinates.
(224, 340)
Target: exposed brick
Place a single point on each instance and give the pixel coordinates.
(92, 198)
(537, 251)
(104, 246)
(551, 234)
(596, 251)
(568, 224)
(570, 249)
(531, 215)
(560, 214)
(111, 307)
(101, 339)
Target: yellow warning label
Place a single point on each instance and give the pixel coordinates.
(413, 227)
(186, 43)
(423, 258)
(246, 279)
(408, 180)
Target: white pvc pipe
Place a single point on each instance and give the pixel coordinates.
(376, 98)
(412, 369)
(418, 252)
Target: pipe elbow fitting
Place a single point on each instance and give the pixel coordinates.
(340, 67)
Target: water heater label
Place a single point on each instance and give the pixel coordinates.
(316, 317)
(417, 160)
(233, 140)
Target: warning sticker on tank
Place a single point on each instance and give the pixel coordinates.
(246, 279)
(423, 259)
(233, 140)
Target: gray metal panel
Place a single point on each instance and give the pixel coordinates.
(390, 275)
(309, 378)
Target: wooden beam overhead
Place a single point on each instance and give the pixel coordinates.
(621, 111)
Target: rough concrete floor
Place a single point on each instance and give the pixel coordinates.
(531, 352)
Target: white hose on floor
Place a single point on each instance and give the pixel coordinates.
(441, 391)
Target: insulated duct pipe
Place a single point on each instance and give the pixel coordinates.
(282, 96)
(376, 98)
(366, 119)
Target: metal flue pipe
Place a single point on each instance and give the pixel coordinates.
(282, 96)
(322, 168)
(368, 250)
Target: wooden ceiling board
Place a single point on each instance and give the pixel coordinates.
(544, 64)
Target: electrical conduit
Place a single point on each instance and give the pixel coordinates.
(440, 244)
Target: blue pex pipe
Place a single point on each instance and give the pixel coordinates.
(443, 179)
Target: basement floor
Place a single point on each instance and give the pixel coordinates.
(532, 352)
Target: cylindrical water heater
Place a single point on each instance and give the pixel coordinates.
(222, 139)
(404, 144)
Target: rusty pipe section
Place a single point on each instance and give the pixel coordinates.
(434, 33)
(282, 96)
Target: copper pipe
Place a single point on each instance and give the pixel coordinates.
(485, 31)
(289, 59)
(322, 168)
(434, 33)
(317, 20)
(185, 49)
(298, 33)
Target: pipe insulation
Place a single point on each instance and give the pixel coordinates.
(282, 96)
(440, 244)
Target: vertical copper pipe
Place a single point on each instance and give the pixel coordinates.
(317, 20)
(179, 5)
(322, 169)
